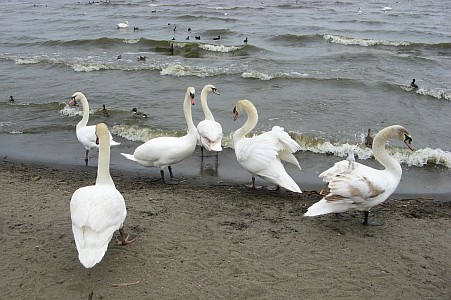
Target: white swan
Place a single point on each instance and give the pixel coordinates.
(86, 135)
(386, 8)
(360, 11)
(210, 131)
(165, 151)
(123, 25)
(362, 187)
(262, 155)
(97, 211)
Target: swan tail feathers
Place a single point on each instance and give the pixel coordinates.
(114, 143)
(324, 207)
(129, 156)
(91, 246)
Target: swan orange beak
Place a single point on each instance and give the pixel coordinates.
(408, 142)
(73, 101)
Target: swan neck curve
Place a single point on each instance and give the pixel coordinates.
(381, 154)
(251, 122)
(204, 103)
(103, 166)
(85, 106)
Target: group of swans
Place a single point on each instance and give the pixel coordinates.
(98, 211)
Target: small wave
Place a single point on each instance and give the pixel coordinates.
(27, 61)
(143, 134)
(131, 41)
(220, 48)
(179, 70)
(269, 76)
(72, 111)
(343, 40)
(435, 93)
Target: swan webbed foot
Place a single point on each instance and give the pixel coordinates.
(126, 238)
(370, 223)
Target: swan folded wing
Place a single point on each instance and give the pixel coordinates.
(355, 188)
(340, 167)
(87, 136)
(101, 210)
(210, 133)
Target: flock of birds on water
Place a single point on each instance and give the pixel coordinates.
(97, 211)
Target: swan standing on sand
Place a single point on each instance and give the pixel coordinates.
(165, 151)
(262, 155)
(86, 135)
(363, 187)
(123, 25)
(97, 211)
(210, 131)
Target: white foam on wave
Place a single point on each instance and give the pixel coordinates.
(179, 70)
(436, 93)
(71, 111)
(131, 41)
(220, 48)
(269, 76)
(142, 134)
(27, 61)
(344, 40)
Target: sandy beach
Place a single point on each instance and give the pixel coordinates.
(217, 241)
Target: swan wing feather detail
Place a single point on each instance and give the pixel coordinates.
(210, 133)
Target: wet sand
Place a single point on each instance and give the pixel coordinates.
(217, 240)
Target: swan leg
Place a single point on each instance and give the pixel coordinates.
(86, 156)
(174, 180)
(202, 151)
(126, 238)
(370, 223)
(253, 184)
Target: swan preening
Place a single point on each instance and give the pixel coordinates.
(210, 131)
(97, 211)
(262, 155)
(165, 151)
(359, 187)
(86, 135)
(123, 25)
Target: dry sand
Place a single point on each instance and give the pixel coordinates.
(217, 242)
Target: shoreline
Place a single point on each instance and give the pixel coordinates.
(217, 241)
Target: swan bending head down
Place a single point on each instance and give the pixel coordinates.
(363, 187)
(210, 131)
(262, 155)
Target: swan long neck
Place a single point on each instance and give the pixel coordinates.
(205, 108)
(251, 122)
(188, 116)
(381, 154)
(103, 166)
(85, 106)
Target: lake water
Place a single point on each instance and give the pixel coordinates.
(317, 68)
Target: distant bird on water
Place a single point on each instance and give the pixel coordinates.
(197, 37)
(217, 38)
(138, 113)
(369, 139)
(105, 111)
(245, 40)
(11, 99)
(142, 58)
(123, 25)
(413, 84)
(119, 56)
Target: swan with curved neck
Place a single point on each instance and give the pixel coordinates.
(210, 131)
(165, 151)
(363, 187)
(262, 155)
(86, 135)
(97, 211)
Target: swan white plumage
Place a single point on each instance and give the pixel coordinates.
(165, 151)
(210, 131)
(86, 135)
(362, 187)
(262, 155)
(360, 11)
(97, 211)
(123, 25)
(386, 8)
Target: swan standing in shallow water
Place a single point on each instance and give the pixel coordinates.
(97, 211)
(262, 155)
(363, 187)
(210, 131)
(165, 151)
(86, 135)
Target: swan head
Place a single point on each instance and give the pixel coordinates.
(400, 133)
(76, 97)
(209, 88)
(191, 92)
(239, 106)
